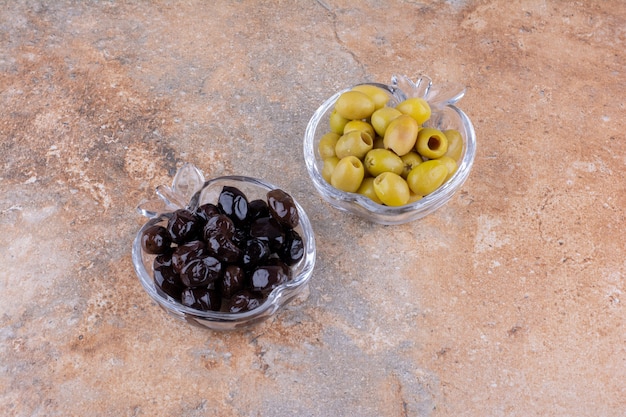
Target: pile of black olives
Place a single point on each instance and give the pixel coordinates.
(227, 256)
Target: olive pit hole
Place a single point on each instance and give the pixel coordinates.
(434, 143)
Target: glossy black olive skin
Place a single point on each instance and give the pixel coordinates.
(186, 252)
(156, 240)
(234, 204)
(205, 211)
(202, 298)
(258, 208)
(293, 249)
(233, 281)
(244, 301)
(255, 252)
(283, 208)
(223, 248)
(200, 272)
(265, 278)
(226, 256)
(165, 278)
(183, 226)
(268, 229)
(219, 223)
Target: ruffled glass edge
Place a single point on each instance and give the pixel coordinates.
(187, 182)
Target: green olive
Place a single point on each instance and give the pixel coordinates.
(377, 94)
(328, 167)
(377, 161)
(414, 197)
(359, 125)
(355, 105)
(382, 117)
(367, 189)
(427, 177)
(431, 143)
(391, 189)
(401, 135)
(417, 108)
(354, 143)
(410, 161)
(455, 144)
(450, 164)
(348, 174)
(326, 146)
(337, 122)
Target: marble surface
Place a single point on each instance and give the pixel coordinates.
(508, 301)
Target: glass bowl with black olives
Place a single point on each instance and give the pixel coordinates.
(390, 153)
(223, 254)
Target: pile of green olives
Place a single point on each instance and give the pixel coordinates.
(386, 153)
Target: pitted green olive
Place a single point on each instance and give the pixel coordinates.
(410, 161)
(417, 108)
(377, 94)
(391, 189)
(450, 164)
(455, 144)
(401, 135)
(382, 117)
(367, 189)
(328, 167)
(359, 125)
(414, 197)
(326, 146)
(337, 122)
(348, 174)
(355, 105)
(354, 143)
(378, 161)
(427, 177)
(431, 143)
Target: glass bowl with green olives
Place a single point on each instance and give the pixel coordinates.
(390, 153)
(224, 253)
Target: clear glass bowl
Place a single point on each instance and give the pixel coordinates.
(190, 190)
(445, 115)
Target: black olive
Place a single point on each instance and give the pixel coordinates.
(202, 298)
(258, 208)
(293, 249)
(255, 252)
(244, 301)
(207, 210)
(268, 229)
(233, 203)
(156, 240)
(165, 278)
(183, 226)
(186, 252)
(199, 272)
(233, 280)
(283, 208)
(219, 223)
(266, 278)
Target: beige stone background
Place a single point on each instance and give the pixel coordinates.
(508, 301)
